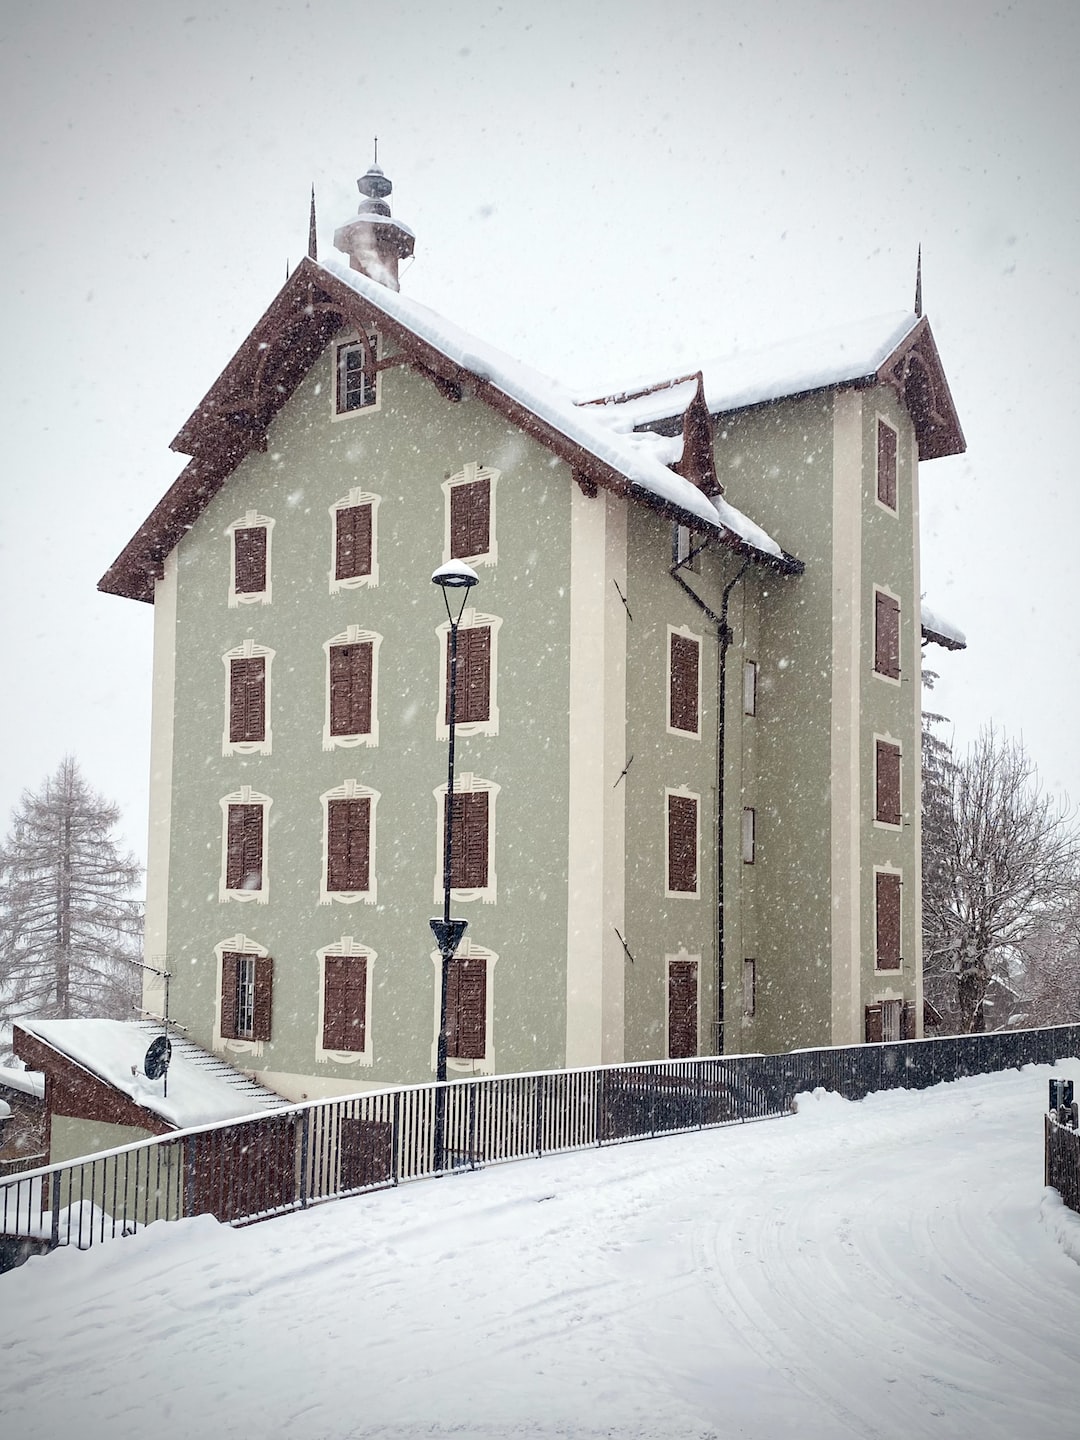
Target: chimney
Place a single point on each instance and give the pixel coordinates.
(374, 241)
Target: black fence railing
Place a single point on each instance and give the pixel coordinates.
(269, 1164)
(1063, 1160)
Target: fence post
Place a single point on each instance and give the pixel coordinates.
(54, 1229)
(305, 1157)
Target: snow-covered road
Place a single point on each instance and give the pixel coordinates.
(892, 1268)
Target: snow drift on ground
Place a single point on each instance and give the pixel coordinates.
(892, 1268)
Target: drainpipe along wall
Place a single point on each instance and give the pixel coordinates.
(723, 644)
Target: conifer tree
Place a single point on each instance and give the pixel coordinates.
(69, 923)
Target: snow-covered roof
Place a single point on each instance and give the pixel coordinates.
(28, 1082)
(5, 1110)
(638, 458)
(941, 631)
(837, 356)
(202, 1088)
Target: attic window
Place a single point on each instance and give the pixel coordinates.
(357, 385)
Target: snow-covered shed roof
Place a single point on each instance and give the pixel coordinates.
(27, 1082)
(897, 349)
(318, 300)
(202, 1088)
(940, 631)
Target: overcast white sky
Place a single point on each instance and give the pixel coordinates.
(603, 194)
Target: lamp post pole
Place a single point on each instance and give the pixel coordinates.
(453, 576)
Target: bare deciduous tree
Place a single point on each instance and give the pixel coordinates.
(1000, 859)
(69, 925)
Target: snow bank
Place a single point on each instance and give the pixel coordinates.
(28, 1082)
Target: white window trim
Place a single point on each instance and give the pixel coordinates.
(348, 502)
(750, 669)
(248, 651)
(242, 945)
(250, 520)
(681, 955)
(895, 969)
(350, 790)
(353, 636)
(343, 342)
(748, 833)
(467, 950)
(346, 946)
(886, 997)
(464, 785)
(472, 472)
(470, 620)
(687, 634)
(886, 679)
(684, 794)
(245, 796)
(892, 510)
(887, 739)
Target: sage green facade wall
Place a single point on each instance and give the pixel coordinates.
(403, 452)
(71, 1139)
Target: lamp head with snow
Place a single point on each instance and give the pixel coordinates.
(455, 575)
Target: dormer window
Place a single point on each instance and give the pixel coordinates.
(357, 386)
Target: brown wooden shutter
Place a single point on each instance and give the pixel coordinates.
(244, 857)
(473, 687)
(887, 888)
(886, 464)
(351, 669)
(345, 1002)
(909, 1021)
(682, 1009)
(874, 1025)
(888, 783)
(348, 825)
(469, 840)
(247, 700)
(230, 962)
(466, 1016)
(886, 635)
(264, 989)
(682, 843)
(249, 549)
(352, 544)
(683, 698)
(470, 519)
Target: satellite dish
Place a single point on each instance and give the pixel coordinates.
(157, 1058)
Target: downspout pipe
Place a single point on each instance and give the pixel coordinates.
(723, 644)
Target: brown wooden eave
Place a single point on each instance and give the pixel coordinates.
(73, 1090)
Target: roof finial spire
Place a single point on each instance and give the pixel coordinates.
(312, 244)
(376, 159)
(918, 284)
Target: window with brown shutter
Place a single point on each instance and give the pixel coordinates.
(684, 659)
(749, 836)
(249, 560)
(466, 1008)
(352, 541)
(887, 908)
(469, 840)
(749, 687)
(356, 375)
(682, 1009)
(247, 700)
(749, 988)
(886, 464)
(470, 519)
(682, 825)
(348, 845)
(244, 848)
(887, 783)
(886, 635)
(472, 702)
(873, 1024)
(344, 1002)
(246, 995)
(351, 668)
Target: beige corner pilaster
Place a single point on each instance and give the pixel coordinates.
(846, 696)
(597, 729)
(913, 880)
(156, 928)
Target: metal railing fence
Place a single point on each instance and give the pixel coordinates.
(287, 1159)
(1063, 1160)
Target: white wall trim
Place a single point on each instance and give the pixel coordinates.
(245, 796)
(687, 634)
(470, 620)
(349, 790)
(915, 761)
(887, 739)
(251, 520)
(466, 476)
(466, 784)
(882, 419)
(342, 342)
(243, 945)
(159, 829)
(685, 794)
(887, 869)
(877, 588)
(681, 955)
(353, 635)
(355, 497)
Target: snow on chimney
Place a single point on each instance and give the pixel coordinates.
(374, 241)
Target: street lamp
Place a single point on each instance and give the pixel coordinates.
(456, 576)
